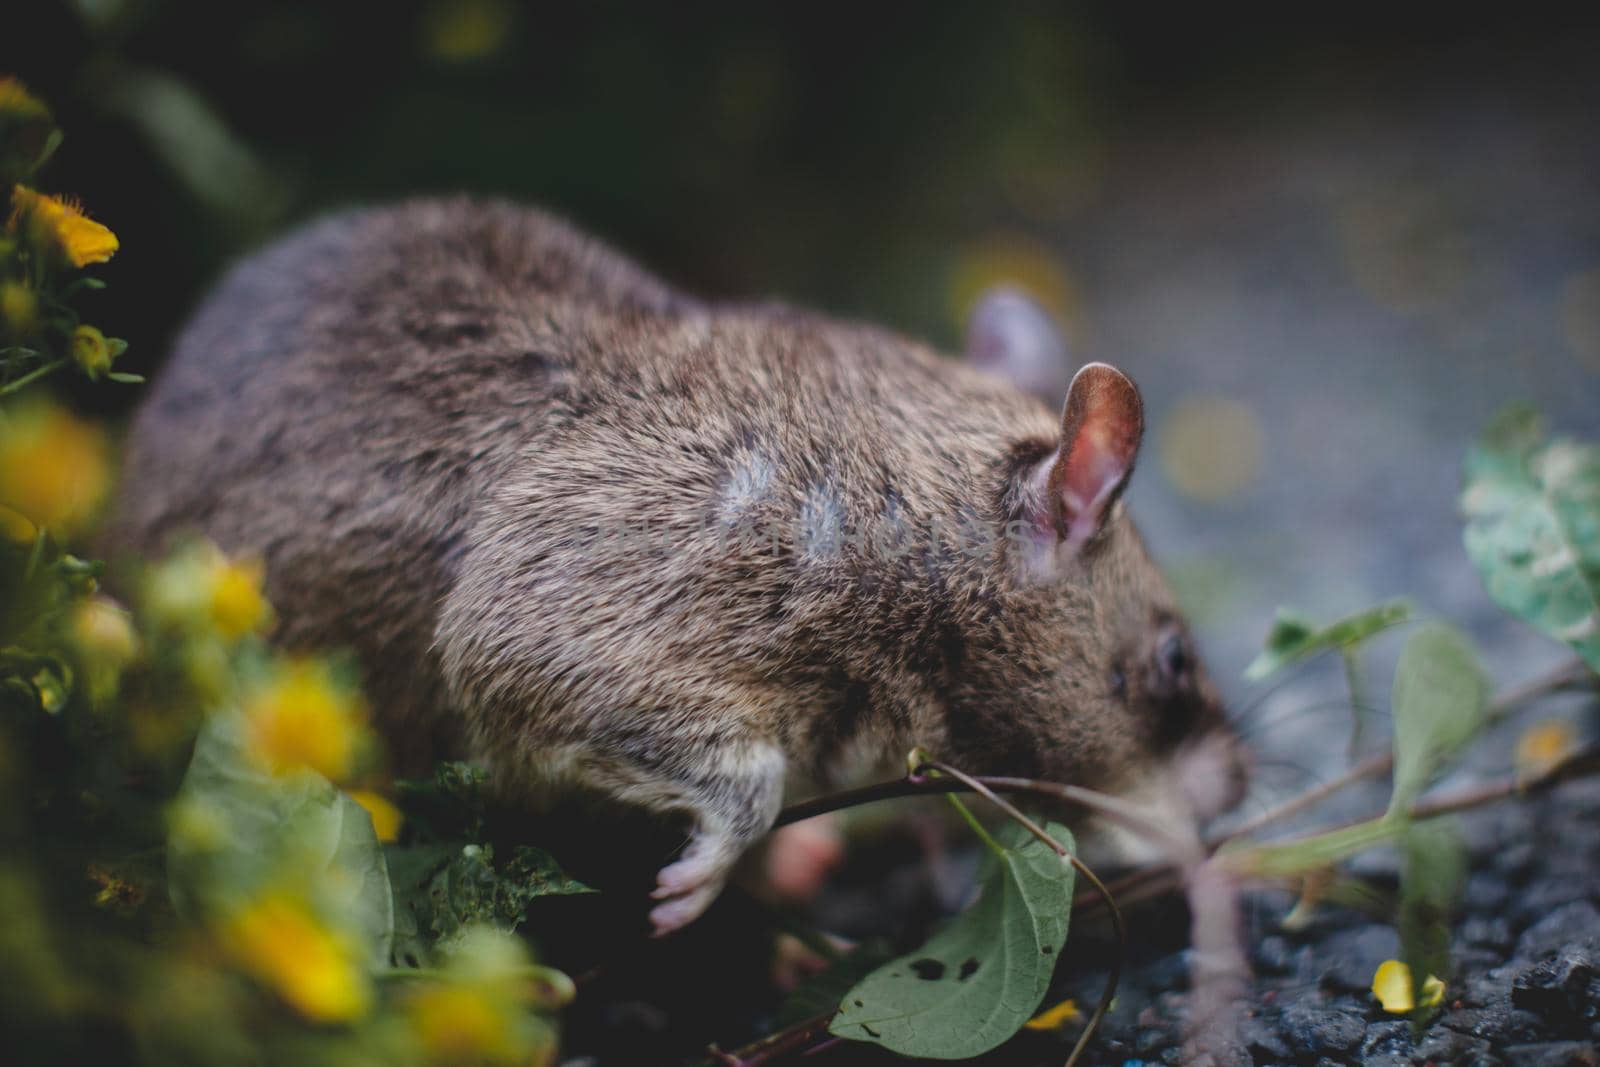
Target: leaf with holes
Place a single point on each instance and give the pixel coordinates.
(980, 978)
(1533, 528)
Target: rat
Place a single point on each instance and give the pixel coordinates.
(602, 535)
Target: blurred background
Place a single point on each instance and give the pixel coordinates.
(1328, 247)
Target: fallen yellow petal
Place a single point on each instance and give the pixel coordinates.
(1392, 986)
(1055, 1018)
(1543, 745)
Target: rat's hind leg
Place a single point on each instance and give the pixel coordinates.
(730, 788)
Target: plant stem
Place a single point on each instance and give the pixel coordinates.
(977, 827)
(31, 377)
(1566, 677)
(773, 1045)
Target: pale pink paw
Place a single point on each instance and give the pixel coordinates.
(686, 889)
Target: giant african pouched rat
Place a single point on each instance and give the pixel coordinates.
(608, 535)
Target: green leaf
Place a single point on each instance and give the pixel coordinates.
(1533, 528)
(977, 980)
(1440, 702)
(1430, 880)
(1294, 637)
(271, 824)
(124, 378)
(441, 888)
(821, 993)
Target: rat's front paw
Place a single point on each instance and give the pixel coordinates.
(686, 889)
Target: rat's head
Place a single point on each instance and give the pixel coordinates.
(1083, 669)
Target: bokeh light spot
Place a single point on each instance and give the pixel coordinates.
(1211, 447)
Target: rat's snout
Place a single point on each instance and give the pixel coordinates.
(1212, 773)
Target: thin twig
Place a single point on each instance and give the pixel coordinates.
(1568, 676)
(31, 377)
(772, 1046)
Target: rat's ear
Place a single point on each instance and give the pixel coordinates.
(1010, 335)
(1101, 427)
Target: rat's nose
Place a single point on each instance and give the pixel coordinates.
(1213, 773)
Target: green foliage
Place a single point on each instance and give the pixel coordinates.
(1533, 527)
(976, 981)
(1440, 703)
(256, 825)
(1294, 637)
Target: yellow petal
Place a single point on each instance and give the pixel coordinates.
(386, 818)
(1055, 1018)
(1432, 992)
(1392, 986)
(1544, 745)
(316, 970)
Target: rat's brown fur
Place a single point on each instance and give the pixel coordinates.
(604, 533)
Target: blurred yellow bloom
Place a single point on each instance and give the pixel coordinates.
(199, 586)
(1544, 745)
(303, 718)
(19, 309)
(318, 971)
(54, 468)
(462, 1024)
(103, 634)
(1055, 1018)
(485, 1009)
(102, 629)
(60, 223)
(237, 604)
(1392, 986)
(91, 352)
(386, 817)
(15, 100)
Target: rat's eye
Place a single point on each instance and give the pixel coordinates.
(1119, 683)
(1174, 660)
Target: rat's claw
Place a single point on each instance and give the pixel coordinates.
(677, 912)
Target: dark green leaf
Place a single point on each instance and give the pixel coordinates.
(1293, 637)
(1440, 702)
(1533, 528)
(976, 981)
(822, 993)
(441, 888)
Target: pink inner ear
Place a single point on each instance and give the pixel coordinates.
(1101, 427)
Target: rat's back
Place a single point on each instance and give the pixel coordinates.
(344, 396)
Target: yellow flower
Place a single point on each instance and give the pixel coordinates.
(200, 587)
(91, 352)
(460, 1024)
(102, 629)
(1544, 745)
(15, 100)
(1055, 1018)
(54, 468)
(1392, 986)
(237, 604)
(103, 635)
(302, 718)
(485, 1010)
(386, 818)
(59, 223)
(19, 309)
(318, 971)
